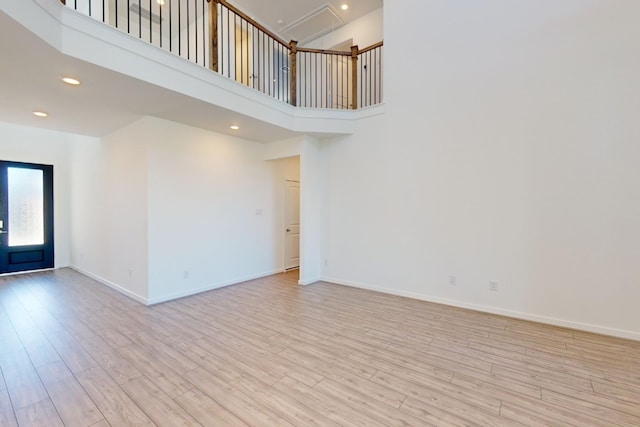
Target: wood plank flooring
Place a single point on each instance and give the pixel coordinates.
(271, 353)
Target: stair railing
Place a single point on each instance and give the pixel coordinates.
(218, 36)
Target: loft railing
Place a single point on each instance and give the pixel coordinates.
(218, 36)
(248, 53)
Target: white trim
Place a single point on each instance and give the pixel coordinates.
(206, 288)
(111, 285)
(603, 330)
(16, 273)
(309, 282)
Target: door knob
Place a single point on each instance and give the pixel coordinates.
(288, 230)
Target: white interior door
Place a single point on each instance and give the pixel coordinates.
(292, 226)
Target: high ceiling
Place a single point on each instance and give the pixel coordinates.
(31, 70)
(281, 16)
(30, 80)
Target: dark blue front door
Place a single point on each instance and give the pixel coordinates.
(26, 216)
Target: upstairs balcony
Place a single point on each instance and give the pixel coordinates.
(218, 36)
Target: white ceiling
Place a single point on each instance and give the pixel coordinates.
(30, 74)
(270, 13)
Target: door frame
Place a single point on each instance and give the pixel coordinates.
(286, 233)
(48, 248)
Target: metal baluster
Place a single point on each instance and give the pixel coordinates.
(160, 24)
(344, 88)
(255, 83)
(221, 40)
(259, 62)
(195, 11)
(228, 44)
(271, 65)
(204, 37)
(139, 19)
(370, 79)
(241, 50)
(375, 76)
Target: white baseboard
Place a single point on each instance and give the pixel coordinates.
(619, 333)
(309, 281)
(17, 273)
(112, 285)
(177, 295)
(211, 287)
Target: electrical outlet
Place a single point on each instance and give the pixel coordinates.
(185, 275)
(326, 262)
(131, 272)
(453, 281)
(493, 286)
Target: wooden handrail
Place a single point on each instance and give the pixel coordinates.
(260, 27)
(340, 52)
(342, 73)
(252, 21)
(326, 52)
(373, 46)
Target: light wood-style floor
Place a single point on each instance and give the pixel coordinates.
(271, 353)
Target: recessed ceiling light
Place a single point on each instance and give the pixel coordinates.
(71, 81)
(40, 114)
(160, 2)
(234, 127)
(344, 6)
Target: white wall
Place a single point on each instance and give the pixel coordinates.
(213, 210)
(312, 197)
(33, 145)
(508, 153)
(162, 210)
(109, 209)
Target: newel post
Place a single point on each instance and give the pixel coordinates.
(293, 72)
(354, 77)
(213, 34)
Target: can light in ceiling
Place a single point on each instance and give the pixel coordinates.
(160, 2)
(40, 114)
(71, 81)
(344, 6)
(234, 127)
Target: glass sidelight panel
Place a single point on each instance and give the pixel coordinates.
(25, 206)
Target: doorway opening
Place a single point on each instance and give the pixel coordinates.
(292, 224)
